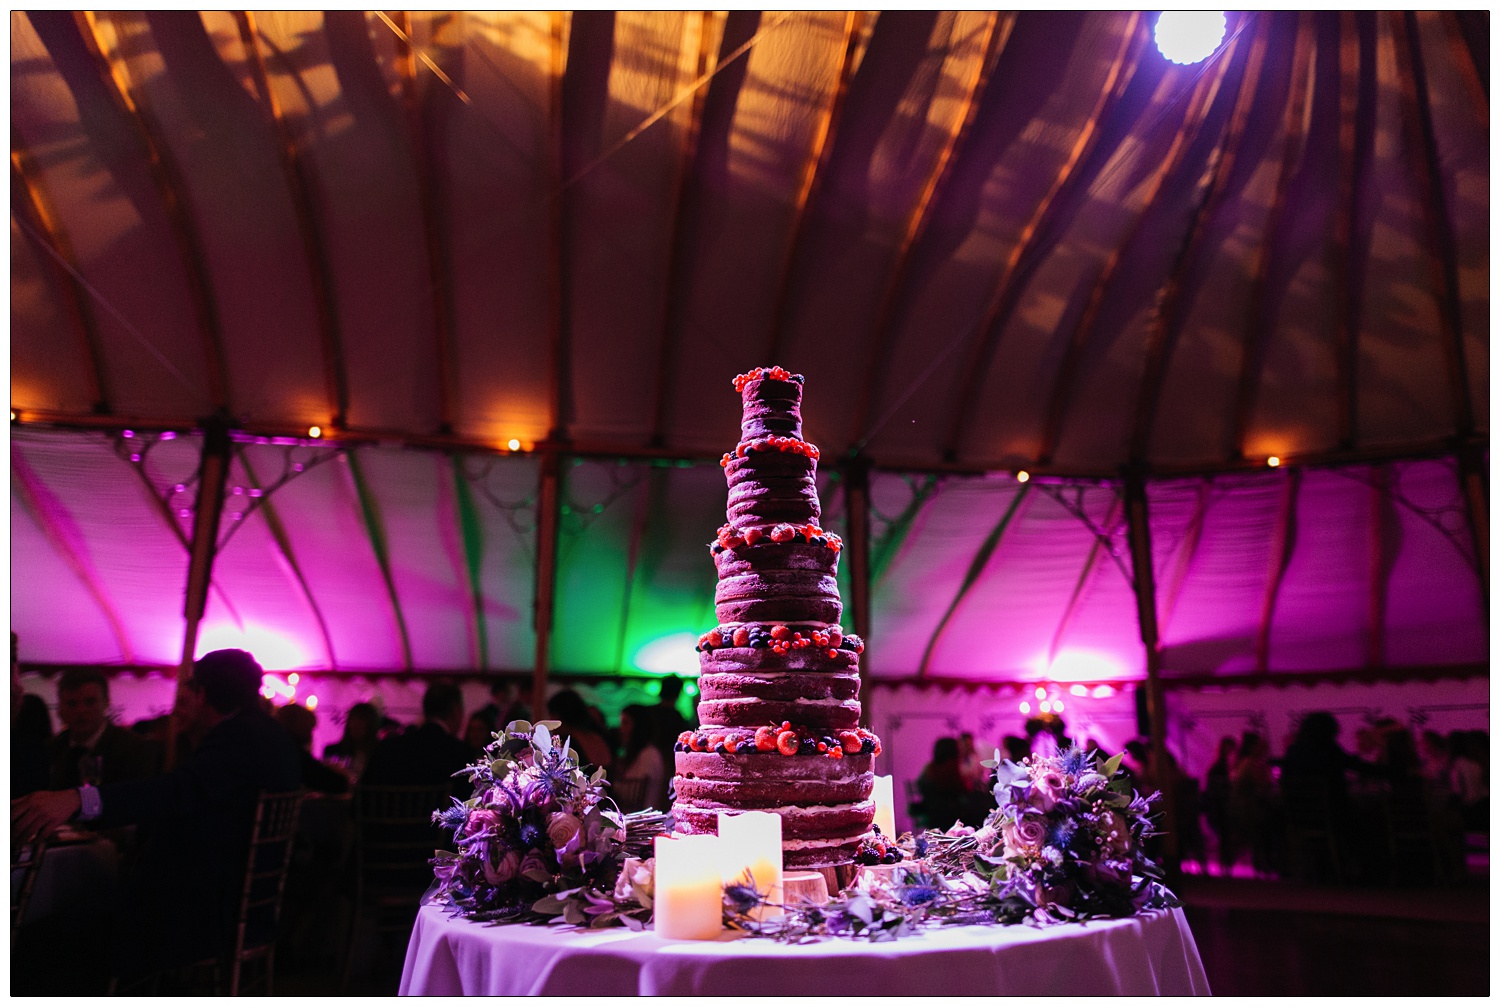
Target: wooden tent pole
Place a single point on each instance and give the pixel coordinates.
(1476, 489)
(1139, 525)
(548, 500)
(857, 502)
(213, 472)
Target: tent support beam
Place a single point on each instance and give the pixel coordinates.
(1259, 327)
(1472, 474)
(976, 567)
(650, 503)
(1436, 448)
(284, 546)
(1350, 244)
(886, 315)
(1401, 673)
(1204, 94)
(813, 174)
(301, 190)
(857, 505)
(1138, 522)
(168, 178)
(369, 509)
(1382, 560)
(1084, 576)
(213, 472)
(439, 267)
(549, 500)
(1187, 554)
(1169, 317)
(740, 29)
(1284, 544)
(30, 204)
(1443, 249)
(1037, 238)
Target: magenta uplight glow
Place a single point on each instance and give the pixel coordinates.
(270, 648)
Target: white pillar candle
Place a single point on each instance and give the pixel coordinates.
(885, 807)
(751, 844)
(689, 900)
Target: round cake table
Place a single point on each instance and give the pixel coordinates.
(1152, 954)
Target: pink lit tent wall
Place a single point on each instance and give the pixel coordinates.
(992, 242)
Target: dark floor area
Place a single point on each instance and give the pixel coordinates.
(1270, 939)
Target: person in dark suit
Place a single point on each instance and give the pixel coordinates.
(90, 749)
(429, 753)
(181, 903)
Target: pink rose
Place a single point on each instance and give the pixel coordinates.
(1047, 789)
(1029, 833)
(480, 820)
(508, 867)
(562, 827)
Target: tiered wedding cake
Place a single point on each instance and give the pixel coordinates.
(779, 703)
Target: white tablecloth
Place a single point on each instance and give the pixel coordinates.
(1145, 955)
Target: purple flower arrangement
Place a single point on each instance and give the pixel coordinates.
(1065, 843)
(1068, 838)
(540, 841)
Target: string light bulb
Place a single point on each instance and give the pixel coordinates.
(1046, 706)
(513, 444)
(1041, 692)
(1025, 706)
(1022, 476)
(315, 432)
(312, 702)
(1274, 461)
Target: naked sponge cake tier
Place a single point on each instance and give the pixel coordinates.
(779, 684)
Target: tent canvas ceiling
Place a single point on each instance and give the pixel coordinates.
(991, 241)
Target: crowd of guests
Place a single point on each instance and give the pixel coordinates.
(1395, 810)
(1322, 812)
(189, 817)
(636, 752)
(955, 785)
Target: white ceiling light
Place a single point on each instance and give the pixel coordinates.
(1190, 36)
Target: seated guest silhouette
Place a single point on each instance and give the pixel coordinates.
(181, 904)
(430, 753)
(351, 753)
(30, 734)
(569, 707)
(299, 723)
(90, 749)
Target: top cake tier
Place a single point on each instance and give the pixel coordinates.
(772, 405)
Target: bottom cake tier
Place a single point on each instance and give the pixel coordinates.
(824, 803)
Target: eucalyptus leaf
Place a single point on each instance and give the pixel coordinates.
(1112, 765)
(548, 905)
